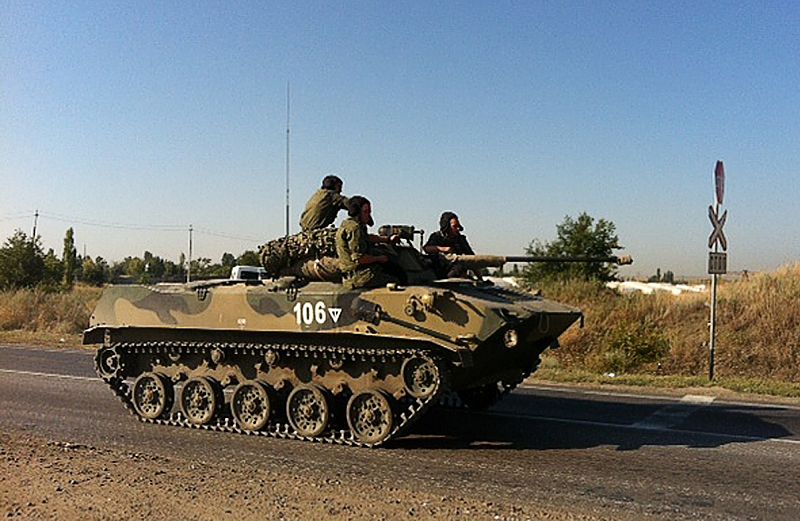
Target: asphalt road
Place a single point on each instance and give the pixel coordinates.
(618, 456)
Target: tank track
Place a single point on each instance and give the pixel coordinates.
(452, 400)
(408, 411)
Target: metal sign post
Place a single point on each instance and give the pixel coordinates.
(717, 261)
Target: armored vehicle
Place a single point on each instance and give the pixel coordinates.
(311, 360)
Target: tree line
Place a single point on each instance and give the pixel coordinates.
(25, 264)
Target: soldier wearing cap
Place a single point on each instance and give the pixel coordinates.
(322, 208)
(361, 267)
(445, 242)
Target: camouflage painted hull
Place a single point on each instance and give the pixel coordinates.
(317, 361)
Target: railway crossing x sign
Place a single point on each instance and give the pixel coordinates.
(717, 261)
(717, 235)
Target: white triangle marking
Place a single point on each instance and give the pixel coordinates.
(335, 313)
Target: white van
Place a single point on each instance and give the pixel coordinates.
(248, 273)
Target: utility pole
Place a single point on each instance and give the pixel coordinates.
(35, 222)
(189, 262)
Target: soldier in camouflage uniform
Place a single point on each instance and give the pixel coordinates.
(361, 266)
(445, 242)
(323, 206)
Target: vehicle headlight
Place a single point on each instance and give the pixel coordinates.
(511, 338)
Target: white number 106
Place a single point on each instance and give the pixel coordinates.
(307, 313)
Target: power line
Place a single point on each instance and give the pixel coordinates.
(114, 225)
(227, 236)
(16, 216)
(127, 226)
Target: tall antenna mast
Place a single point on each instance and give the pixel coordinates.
(189, 262)
(287, 159)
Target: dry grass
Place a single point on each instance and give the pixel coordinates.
(758, 333)
(761, 318)
(56, 314)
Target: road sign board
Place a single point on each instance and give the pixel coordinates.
(717, 235)
(719, 181)
(717, 263)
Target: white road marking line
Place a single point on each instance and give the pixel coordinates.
(615, 394)
(68, 350)
(667, 417)
(675, 414)
(698, 399)
(741, 437)
(52, 375)
(576, 390)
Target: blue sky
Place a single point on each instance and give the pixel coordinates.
(512, 114)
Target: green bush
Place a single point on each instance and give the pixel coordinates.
(630, 347)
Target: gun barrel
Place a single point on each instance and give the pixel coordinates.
(478, 261)
(496, 261)
(622, 260)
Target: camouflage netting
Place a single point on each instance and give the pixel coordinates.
(284, 255)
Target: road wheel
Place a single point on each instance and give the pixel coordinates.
(308, 410)
(420, 376)
(370, 416)
(200, 400)
(152, 396)
(250, 405)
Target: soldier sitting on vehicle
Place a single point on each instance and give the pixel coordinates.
(322, 208)
(446, 242)
(361, 265)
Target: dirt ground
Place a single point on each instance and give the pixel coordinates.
(46, 479)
